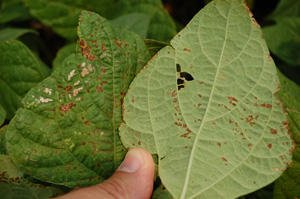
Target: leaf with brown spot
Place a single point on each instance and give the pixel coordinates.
(72, 118)
(230, 68)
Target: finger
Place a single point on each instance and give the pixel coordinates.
(132, 180)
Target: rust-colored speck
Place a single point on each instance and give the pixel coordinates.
(213, 123)
(174, 93)
(251, 120)
(224, 159)
(139, 142)
(132, 100)
(103, 47)
(34, 150)
(187, 50)
(178, 123)
(276, 169)
(202, 82)
(230, 121)
(118, 43)
(219, 143)
(66, 107)
(273, 131)
(262, 36)
(266, 105)
(232, 100)
(270, 146)
(83, 143)
(87, 123)
(255, 104)
(69, 88)
(186, 134)
(199, 95)
(99, 89)
(59, 87)
(249, 145)
(103, 70)
(175, 100)
(82, 43)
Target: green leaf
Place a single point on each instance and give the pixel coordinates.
(135, 22)
(19, 71)
(283, 39)
(161, 193)
(2, 139)
(9, 34)
(286, 8)
(161, 28)
(13, 11)
(62, 15)
(154, 46)
(207, 107)
(62, 54)
(287, 186)
(2, 115)
(14, 186)
(69, 126)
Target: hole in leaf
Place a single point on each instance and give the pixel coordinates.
(180, 81)
(178, 68)
(187, 76)
(180, 86)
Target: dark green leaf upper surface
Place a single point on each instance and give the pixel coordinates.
(14, 186)
(208, 108)
(19, 71)
(283, 39)
(287, 186)
(62, 15)
(68, 131)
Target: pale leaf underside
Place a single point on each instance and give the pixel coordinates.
(208, 108)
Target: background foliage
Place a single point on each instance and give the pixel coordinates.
(37, 35)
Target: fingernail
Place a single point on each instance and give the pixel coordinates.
(133, 161)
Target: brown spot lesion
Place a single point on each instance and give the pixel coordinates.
(86, 50)
(265, 105)
(66, 107)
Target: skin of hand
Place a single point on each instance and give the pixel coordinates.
(132, 180)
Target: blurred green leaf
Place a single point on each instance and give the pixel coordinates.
(283, 39)
(287, 186)
(62, 15)
(13, 11)
(2, 115)
(19, 71)
(135, 22)
(285, 8)
(2, 140)
(62, 54)
(8, 34)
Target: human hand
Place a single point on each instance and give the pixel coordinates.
(132, 180)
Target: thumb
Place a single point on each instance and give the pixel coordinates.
(132, 180)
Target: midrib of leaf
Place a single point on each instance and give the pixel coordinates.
(148, 100)
(186, 182)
